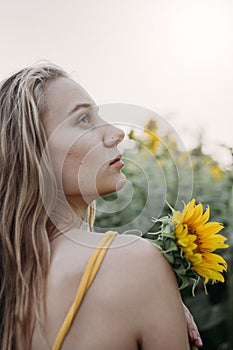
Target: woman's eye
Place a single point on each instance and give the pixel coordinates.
(84, 120)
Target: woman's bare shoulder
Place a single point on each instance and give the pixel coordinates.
(139, 251)
(144, 283)
(151, 291)
(138, 265)
(129, 257)
(144, 260)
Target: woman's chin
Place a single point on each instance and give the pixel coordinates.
(120, 184)
(114, 186)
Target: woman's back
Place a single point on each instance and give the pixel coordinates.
(129, 304)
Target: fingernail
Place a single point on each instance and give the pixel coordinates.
(199, 341)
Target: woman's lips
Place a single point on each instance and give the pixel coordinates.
(117, 162)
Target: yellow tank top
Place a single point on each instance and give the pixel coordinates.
(90, 271)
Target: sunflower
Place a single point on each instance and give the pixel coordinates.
(199, 239)
(151, 129)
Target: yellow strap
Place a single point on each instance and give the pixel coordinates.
(87, 278)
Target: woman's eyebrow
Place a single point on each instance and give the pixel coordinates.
(81, 105)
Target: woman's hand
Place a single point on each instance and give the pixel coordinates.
(193, 332)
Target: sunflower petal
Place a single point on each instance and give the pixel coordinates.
(205, 217)
(197, 214)
(189, 210)
(211, 228)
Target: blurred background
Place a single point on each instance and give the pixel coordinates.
(172, 57)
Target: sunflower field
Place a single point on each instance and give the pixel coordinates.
(160, 171)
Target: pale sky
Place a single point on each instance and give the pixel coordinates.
(174, 57)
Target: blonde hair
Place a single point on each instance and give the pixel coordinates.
(24, 178)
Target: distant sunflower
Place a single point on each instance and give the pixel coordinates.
(216, 172)
(198, 239)
(132, 135)
(151, 126)
(151, 129)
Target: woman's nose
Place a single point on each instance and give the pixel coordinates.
(113, 135)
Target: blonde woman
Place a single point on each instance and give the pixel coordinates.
(62, 287)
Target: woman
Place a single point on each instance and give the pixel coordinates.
(57, 156)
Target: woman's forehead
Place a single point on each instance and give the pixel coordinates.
(63, 96)
(67, 90)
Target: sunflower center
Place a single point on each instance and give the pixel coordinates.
(197, 241)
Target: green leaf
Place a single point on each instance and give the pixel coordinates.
(171, 247)
(169, 257)
(182, 281)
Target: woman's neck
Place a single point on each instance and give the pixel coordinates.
(66, 216)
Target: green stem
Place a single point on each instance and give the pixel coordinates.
(170, 207)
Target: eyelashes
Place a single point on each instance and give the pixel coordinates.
(84, 119)
(87, 119)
